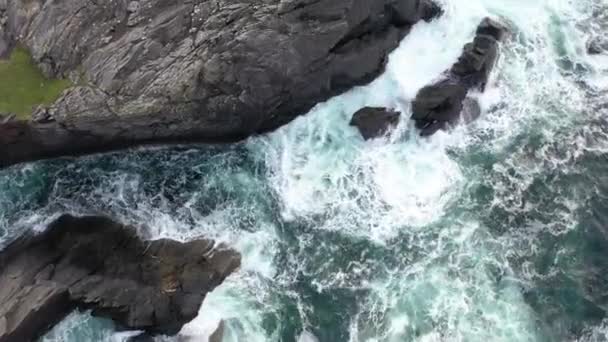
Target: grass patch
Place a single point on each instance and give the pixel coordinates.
(23, 86)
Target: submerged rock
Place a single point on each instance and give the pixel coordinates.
(157, 71)
(97, 264)
(596, 28)
(218, 334)
(598, 46)
(373, 122)
(439, 105)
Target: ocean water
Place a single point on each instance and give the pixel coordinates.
(497, 231)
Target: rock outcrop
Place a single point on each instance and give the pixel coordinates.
(374, 122)
(156, 71)
(444, 103)
(439, 105)
(597, 46)
(95, 263)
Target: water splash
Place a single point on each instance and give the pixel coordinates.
(488, 232)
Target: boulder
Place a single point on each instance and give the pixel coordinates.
(439, 105)
(158, 71)
(94, 263)
(373, 122)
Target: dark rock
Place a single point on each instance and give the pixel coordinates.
(95, 263)
(42, 115)
(218, 334)
(430, 10)
(598, 46)
(374, 122)
(439, 102)
(162, 71)
(7, 117)
(143, 337)
(440, 105)
(410, 12)
(34, 308)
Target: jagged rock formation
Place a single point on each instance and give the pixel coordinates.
(95, 263)
(445, 102)
(438, 105)
(373, 122)
(204, 70)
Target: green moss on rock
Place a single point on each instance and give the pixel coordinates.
(23, 86)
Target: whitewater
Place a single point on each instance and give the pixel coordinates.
(495, 231)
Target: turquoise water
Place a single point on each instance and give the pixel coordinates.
(492, 232)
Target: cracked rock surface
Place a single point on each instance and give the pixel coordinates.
(205, 70)
(95, 263)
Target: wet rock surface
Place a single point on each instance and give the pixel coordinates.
(95, 263)
(374, 122)
(202, 70)
(440, 105)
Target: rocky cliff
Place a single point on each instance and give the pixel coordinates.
(206, 70)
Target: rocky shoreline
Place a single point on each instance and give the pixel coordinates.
(94, 263)
(153, 71)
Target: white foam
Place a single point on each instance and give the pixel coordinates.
(401, 186)
(378, 188)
